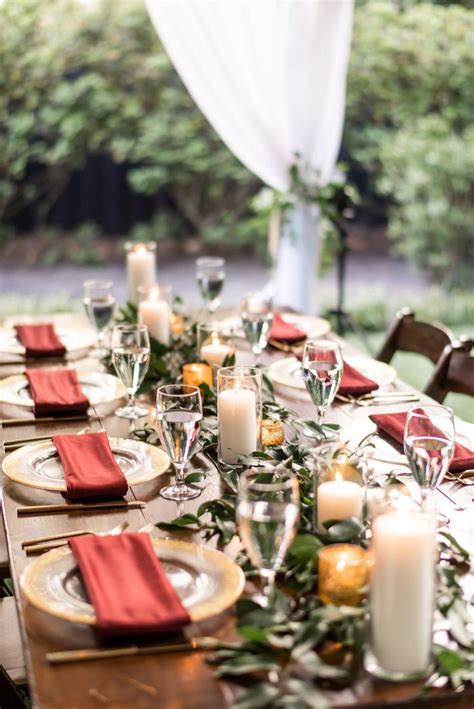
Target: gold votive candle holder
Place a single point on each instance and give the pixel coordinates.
(197, 373)
(177, 324)
(342, 575)
(273, 433)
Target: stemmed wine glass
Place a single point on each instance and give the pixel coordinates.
(256, 312)
(429, 445)
(322, 372)
(178, 416)
(131, 357)
(99, 303)
(267, 515)
(210, 276)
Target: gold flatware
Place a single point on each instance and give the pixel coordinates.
(41, 420)
(195, 644)
(54, 544)
(53, 537)
(78, 506)
(20, 442)
(386, 394)
(379, 400)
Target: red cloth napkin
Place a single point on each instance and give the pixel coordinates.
(285, 331)
(89, 466)
(56, 391)
(354, 383)
(129, 590)
(394, 426)
(40, 340)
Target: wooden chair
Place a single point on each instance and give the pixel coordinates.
(454, 373)
(409, 335)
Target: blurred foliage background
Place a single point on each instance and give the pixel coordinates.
(79, 81)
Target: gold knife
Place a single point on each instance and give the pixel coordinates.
(79, 506)
(195, 644)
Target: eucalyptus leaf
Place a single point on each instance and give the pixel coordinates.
(257, 697)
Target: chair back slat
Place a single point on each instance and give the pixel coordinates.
(454, 373)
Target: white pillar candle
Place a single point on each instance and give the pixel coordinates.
(338, 499)
(402, 590)
(237, 416)
(156, 315)
(215, 353)
(140, 270)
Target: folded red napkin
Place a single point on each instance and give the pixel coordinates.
(40, 340)
(127, 585)
(56, 391)
(354, 383)
(285, 331)
(394, 426)
(89, 466)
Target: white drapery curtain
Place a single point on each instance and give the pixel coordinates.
(269, 76)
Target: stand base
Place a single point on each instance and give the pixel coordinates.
(132, 412)
(180, 493)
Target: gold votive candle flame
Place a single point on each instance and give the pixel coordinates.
(197, 373)
(342, 576)
(273, 433)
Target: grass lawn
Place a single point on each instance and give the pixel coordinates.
(416, 370)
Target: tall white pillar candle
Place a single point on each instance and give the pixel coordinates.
(140, 270)
(237, 417)
(338, 499)
(215, 353)
(156, 315)
(402, 591)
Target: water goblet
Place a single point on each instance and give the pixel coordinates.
(178, 416)
(256, 312)
(428, 442)
(99, 304)
(267, 515)
(210, 276)
(322, 371)
(131, 357)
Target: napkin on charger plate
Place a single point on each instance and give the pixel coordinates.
(56, 391)
(394, 426)
(283, 331)
(127, 585)
(353, 382)
(90, 469)
(40, 340)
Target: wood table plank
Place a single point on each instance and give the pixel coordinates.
(180, 681)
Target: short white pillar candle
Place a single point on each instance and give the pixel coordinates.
(155, 313)
(237, 415)
(338, 499)
(141, 269)
(402, 591)
(215, 352)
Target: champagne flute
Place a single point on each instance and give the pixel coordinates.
(256, 312)
(99, 303)
(178, 416)
(322, 372)
(131, 357)
(267, 515)
(429, 445)
(210, 275)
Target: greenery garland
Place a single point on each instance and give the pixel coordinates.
(298, 646)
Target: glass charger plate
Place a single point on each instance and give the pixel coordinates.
(38, 464)
(288, 371)
(73, 339)
(100, 388)
(312, 326)
(207, 581)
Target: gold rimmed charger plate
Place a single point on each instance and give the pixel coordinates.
(287, 371)
(99, 387)
(207, 581)
(73, 339)
(38, 465)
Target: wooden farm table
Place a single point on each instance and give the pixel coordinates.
(171, 681)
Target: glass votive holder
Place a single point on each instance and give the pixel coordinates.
(215, 344)
(155, 310)
(339, 490)
(197, 373)
(177, 324)
(273, 433)
(342, 574)
(239, 412)
(402, 594)
(141, 267)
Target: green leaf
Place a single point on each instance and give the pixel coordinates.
(257, 697)
(343, 531)
(195, 477)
